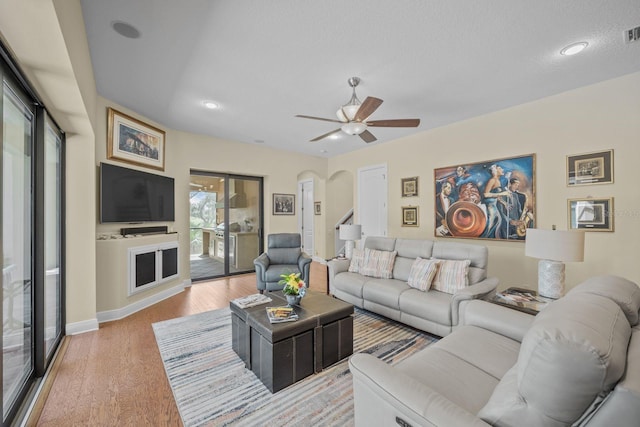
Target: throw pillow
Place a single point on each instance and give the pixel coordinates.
(452, 275)
(422, 273)
(378, 263)
(357, 259)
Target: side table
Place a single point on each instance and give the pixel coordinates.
(521, 299)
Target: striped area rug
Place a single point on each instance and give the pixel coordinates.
(212, 387)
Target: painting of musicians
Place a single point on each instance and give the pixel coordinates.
(486, 200)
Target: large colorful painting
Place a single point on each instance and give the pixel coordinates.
(486, 200)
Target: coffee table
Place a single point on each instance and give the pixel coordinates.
(281, 354)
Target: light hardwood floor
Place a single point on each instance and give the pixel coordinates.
(115, 377)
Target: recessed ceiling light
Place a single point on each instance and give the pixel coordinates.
(574, 48)
(323, 151)
(125, 29)
(210, 105)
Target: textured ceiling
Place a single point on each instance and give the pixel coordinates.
(264, 62)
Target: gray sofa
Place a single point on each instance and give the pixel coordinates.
(432, 311)
(577, 363)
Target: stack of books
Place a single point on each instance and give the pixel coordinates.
(514, 295)
(251, 300)
(281, 314)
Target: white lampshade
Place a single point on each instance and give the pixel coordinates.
(354, 128)
(350, 231)
(553, 248)
(555, 245)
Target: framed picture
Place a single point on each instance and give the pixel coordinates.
(131, 141)
(409, 216)
(284, 204)
(410, 186)
(590, 168)
(316, 208)
(591, 214)
(493, 199)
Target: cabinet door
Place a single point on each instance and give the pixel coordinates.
(145, 267)
(169, 262)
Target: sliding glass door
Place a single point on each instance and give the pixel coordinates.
(32, 217)
(17, 251)
(226, 220)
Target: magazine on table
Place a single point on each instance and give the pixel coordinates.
(517, 295)
(281, 314)
(251, 300)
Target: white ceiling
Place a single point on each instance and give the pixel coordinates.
(264, 62)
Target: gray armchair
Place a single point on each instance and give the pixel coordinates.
(283, 256)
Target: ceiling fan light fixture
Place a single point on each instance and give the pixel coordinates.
(347, 112)
(354, 128)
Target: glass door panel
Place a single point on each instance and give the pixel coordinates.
(244, 217)
(17, 206)
(52, 238)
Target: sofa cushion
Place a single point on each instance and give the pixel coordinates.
(465, 377)
(408, 250)
(351, 283)
(571, 357)
(357, 260)
(378, 263)
(380, 243)
(478, 255)
(451, 276)
(623, 292)
(422, 273)
(385, 292)
(432, 305)
(272, 274)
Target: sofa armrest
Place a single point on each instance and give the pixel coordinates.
(496, 318)
(261, 263)
(481, 290)
(304, 265)
(336, 266)
(383, 396)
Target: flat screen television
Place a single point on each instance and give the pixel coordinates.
(128, 195)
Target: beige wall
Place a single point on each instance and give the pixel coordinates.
(593, 118)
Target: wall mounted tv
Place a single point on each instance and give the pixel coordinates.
(128, 195)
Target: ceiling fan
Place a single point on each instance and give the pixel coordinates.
(354, 114)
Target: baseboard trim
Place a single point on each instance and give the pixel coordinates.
(81, 327)
(120, 313)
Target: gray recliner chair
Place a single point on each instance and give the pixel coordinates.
(283, 256)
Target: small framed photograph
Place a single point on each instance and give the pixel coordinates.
(410, 186)
(590, 168)
(591, 214)
(132, 141)
(409, 216)
(316, 208)
(284, 204)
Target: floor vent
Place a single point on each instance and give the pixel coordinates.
(632, 35)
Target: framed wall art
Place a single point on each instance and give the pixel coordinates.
(284, 204)
(409, 216)
(132, 141)
(493, 199)
(591, 214)
(316, 208)
(410, 187)
(590, 168)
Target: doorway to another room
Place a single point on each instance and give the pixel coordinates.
(225, 224)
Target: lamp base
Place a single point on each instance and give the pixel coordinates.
(550, 279)
(348, 248)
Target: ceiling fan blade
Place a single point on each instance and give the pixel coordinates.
(367, 108)
(325, 135)
(398, 123)
(319, 118)
(367, 136)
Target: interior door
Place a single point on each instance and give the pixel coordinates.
(372, 201)
(305, 195)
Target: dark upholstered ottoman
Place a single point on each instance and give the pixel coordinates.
(281, 354)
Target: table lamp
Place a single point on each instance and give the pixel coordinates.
(553, 248)
(349, 233)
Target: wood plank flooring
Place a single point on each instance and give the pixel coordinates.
(114, 376)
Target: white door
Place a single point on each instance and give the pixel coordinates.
(305, 195)
(372, 201)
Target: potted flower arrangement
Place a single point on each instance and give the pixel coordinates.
(294, 287)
